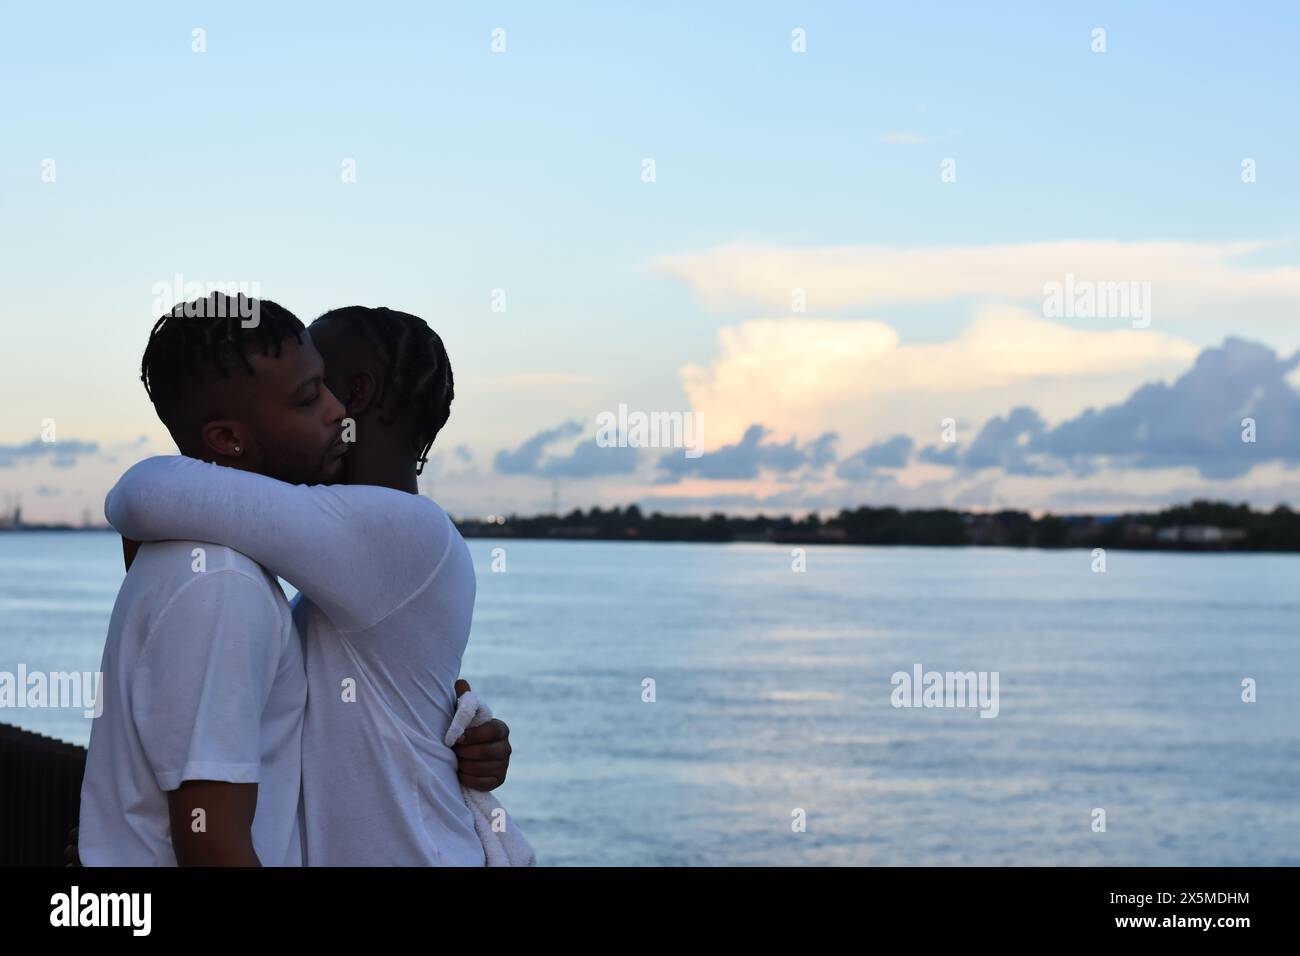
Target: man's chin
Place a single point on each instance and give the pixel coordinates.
(332, 472)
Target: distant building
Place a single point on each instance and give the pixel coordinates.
(14, 519)
(1199, 534)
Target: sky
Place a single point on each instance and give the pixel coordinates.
(856, 243)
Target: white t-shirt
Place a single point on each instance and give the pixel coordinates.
(388, 595)
(203, 679)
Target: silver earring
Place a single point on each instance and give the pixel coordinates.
(238, 449)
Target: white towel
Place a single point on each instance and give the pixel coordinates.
(504, 846)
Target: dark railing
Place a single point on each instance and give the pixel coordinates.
(40, 796)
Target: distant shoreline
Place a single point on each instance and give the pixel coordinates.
(1202, 526)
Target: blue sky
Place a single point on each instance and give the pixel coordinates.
(522, 171)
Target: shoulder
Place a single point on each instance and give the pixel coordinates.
(434, 513)
(389, 511)
(183, 572)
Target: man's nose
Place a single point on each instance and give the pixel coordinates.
(333, 408)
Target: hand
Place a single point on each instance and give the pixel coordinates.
(482, 753)
(70, 855)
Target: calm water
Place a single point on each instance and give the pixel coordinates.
(1119, 690)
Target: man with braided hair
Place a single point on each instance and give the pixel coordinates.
(387, 584)
(398, 355)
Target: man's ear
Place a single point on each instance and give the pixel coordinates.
(361, 394)
(224, 439)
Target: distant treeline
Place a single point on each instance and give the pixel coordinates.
(1199, 526)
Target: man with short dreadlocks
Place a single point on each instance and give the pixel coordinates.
(386, 581)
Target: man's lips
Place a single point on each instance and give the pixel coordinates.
(338, 449)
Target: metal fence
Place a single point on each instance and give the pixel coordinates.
(40, 796)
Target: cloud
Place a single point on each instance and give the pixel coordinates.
(856, 376)
(821, 450)
(450, 466)
(1006, 444)
(62, 454)
(749, 457)
(1197, 422)
(1186, 277)
(586, 460)
(526, 459)
(589, 460)
(949, 455)
(892, 453)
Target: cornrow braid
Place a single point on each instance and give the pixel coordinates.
(208, 335)
(417, 372)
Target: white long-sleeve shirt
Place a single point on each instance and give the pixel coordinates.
(387, 596)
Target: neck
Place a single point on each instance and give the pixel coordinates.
(387, 468)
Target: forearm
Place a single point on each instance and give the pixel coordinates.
(212, 823)
(341, 546)
(212, 852)
(179, 498)
(292, 530)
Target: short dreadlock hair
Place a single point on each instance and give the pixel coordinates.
(207, 337)
(417, 372)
